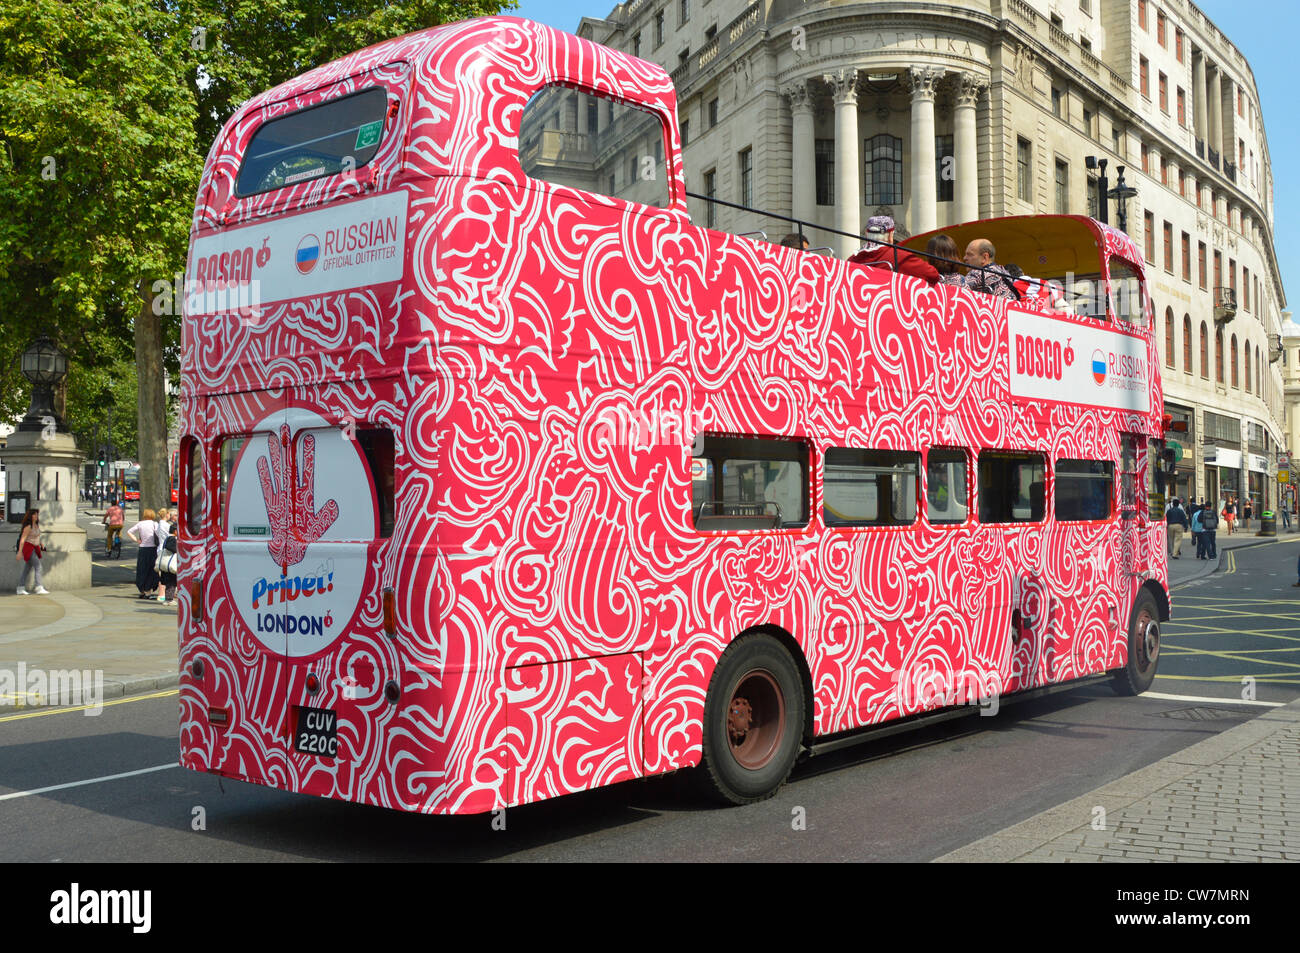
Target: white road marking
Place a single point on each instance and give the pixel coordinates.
(1202, 698)
(77, 784)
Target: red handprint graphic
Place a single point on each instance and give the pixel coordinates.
(295, 523)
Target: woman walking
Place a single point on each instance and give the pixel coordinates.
(146, 533)
(30, 552)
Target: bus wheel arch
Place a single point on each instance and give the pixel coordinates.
(1139, 669)
(1160, 595)
(756, 716)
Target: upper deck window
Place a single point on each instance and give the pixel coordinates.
(1128, 301)
(621, 156)
(340, 135)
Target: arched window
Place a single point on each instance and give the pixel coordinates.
(1205, 352)
(1236, 381)
(1259, 374)
(1169, 337)
(882, 156)
(1247, 350)
(1187, 343)
(1218, 355)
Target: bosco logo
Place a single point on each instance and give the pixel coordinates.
(1039, 357)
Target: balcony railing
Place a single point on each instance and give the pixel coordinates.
(1200, 148)
(738, 30)
(1214, 158)
(1230, 171)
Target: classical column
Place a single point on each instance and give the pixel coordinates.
(1198, 94)
(803, 146)
(1215, 140)
(966, 187)
(848, 200)
(924, 199)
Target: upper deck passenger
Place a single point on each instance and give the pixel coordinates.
(878, 250)
(986, 274)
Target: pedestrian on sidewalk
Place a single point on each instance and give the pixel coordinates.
(1229, 514)
(1286, 514)
(1175, 526)
(29, 553)
(166, 548)
(145, 533)
(1198, 534)
(1209, 525)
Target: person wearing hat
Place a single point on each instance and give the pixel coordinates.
(880, 250)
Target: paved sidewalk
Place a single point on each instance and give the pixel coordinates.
(1227, 798)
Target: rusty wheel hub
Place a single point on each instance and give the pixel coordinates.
(756, 719)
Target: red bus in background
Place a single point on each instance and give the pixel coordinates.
(510, 481)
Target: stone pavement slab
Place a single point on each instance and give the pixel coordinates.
(1227, 798)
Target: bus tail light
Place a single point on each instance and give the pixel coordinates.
(196, 600)
(390, 613)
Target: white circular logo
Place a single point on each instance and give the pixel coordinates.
(298, 521)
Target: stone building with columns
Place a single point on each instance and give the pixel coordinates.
(943, 112)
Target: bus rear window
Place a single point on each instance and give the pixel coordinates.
(335, 136)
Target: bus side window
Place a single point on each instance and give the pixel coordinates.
(870, 487)
(1012, 487)
(377, 446)
(750, 483)
(192, 454)
(946, 485)
(1083, 490)
(587, 140)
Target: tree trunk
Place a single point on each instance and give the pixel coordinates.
(151, 410)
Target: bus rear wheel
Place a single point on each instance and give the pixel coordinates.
(753, 721)
(1143, 647)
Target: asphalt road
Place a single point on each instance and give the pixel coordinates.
(909, 797)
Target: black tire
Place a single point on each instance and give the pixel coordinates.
(750, 748)
(1143, 647)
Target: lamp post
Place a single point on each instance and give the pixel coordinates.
(1103, 207)
(1121, 193)
(45, 366)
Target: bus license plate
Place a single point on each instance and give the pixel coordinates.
(317, 732)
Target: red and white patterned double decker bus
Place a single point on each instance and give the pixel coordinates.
(504, 480)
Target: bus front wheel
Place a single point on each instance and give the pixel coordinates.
(1143, 647)
(753, 720)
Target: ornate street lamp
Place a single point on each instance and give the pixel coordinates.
(45, 366)
(1121, 193)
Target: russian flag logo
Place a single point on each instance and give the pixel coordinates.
(1099, 367)
(308, 254)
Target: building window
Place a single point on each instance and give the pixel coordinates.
(1205, 353)
(1062, 187)
(1142, 14)
(1057, 102)
(1178, 44)
(713, 112)
(1187, 343)
(1236, 381)
(1024, 169)
(884, 170)
(1247, 350)
(1086, 6)
(683, 12)
(1182, 106)
(1187, 257)
(636, 43)
(1116, 141)
(1218, 356)
(1164, 171)
(1239, 100)
(659, 29)
(1218, 269)
(1149, 236)
(1245, 289)
(1146, 159)
(1160, 26)
(825, 171)
(1087, 122)
(1200, 263)
(747, 177)
(1169, 337)
(1182, 183)
(1144, 77)
(1169, 247)
(943, 168)
(686, 132)
(711, 190)
(1164, 94)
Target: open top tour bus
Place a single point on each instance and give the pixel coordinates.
(502, 479)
